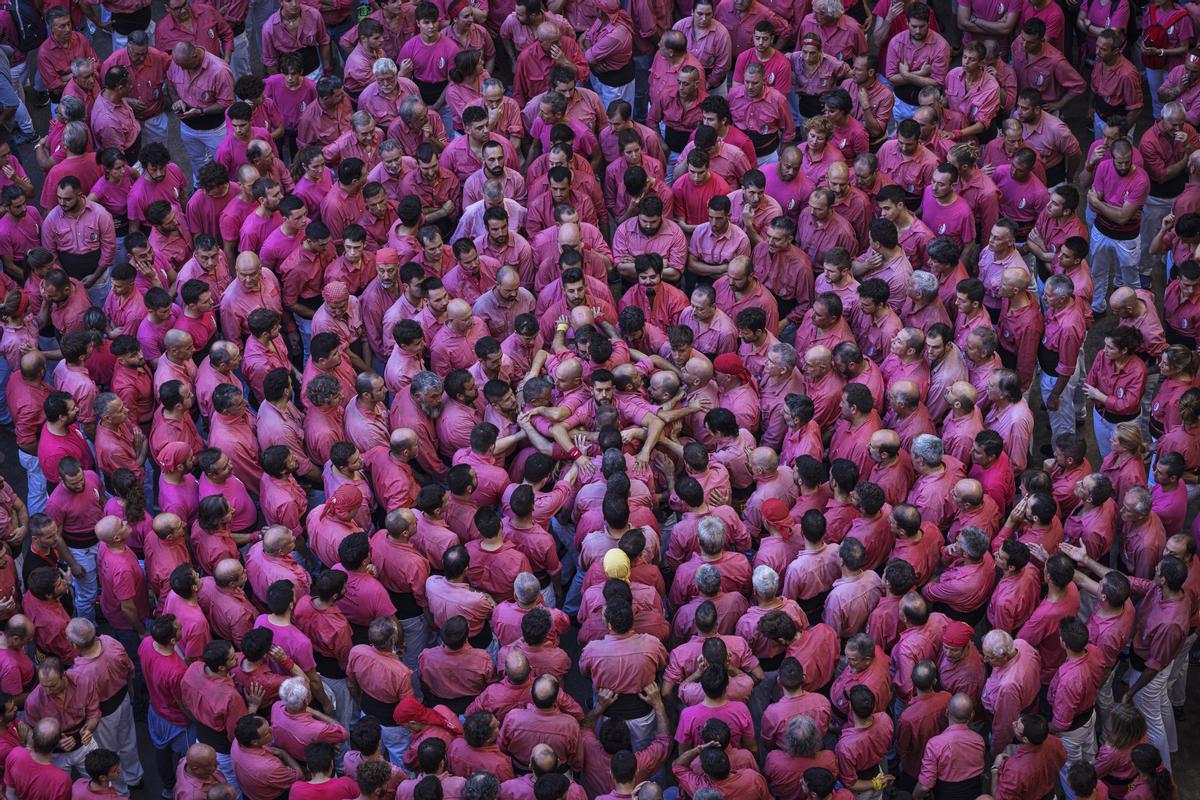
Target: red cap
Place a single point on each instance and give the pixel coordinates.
(958, 634)
(775, 512)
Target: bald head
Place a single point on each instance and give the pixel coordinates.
(543, 759)
(569, 370)
(884, 438)
(402, 439)
(458, 310)
(176, 339)
(227, 571)
(508, 278)
(185, 54)
(165, 524)
(33, 365)
(581, 316)
(961, 709)
(201, 760)
(764, 460)
(838, 171)
(46, 733)
(905, 393)
(516, 667)
(964, 392)
(969, 491)
(400, 522)
(570, 235)
(249, 259)
(1014, 279)
(18, 626)
(548, 33)
(699, 370)
(819, 355)
(109, 528)
(276, 538)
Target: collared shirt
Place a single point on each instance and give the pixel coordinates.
(211, 83)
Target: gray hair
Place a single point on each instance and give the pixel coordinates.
(711, 535)
(322, 390)
(708, 579)
(73, 108)
(1060, 285)
(102, 402)
(139, 38)
(408, 107)
(425, 381)
(785, 353)
(766, 582)
(929, 449)
(708, 793)
(81, 632)
(482, 786)
(388, 145)
(294, 694)
(557, 102)
(974, 542)
(491, 83)
(1174, 109)
(862, 645)
(755, 68)
(526, 588)
(78, 65)
(1141, 497)
(998, 644)
(75, 136)
(830, 8)
(926, 284)
(360, 119)
(384, 66)
(493, 190)
(803, 736)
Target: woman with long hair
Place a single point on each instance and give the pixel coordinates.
(129, 503)
(1125, 730)
(1125, 465)
(1179, 367)
(1154, 780)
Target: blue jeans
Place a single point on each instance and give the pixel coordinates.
(5, 371)
(641, 88)
(87, 588)
(35, 479)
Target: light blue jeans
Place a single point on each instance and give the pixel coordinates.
(87, 588)
(35, 479)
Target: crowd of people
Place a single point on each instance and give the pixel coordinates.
(686, 353)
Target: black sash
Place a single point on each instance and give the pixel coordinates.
(1081, 719)
(430, 92)
(215, 739)
(310, 58)
(908, 93)
(1117, 419)
(126, 24)
(764, 143)
(615, 77)
(79, 265)
(406, 604)
(80, 540)
(1105, 109)
(810, 105)
(628, 706)
(328, 666)
(1171, 188)
(484, 638)
(677, 139)
(110, 705)
(1047, 359)
(958, 790)
(204, 122)
(384, 712)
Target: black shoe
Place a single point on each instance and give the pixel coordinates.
(1180, 712)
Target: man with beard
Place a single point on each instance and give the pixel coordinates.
(495, 168)
(650, 232)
